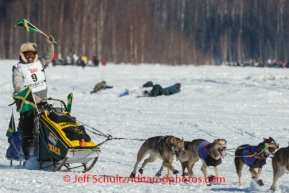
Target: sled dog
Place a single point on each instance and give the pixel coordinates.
(254, 157)
(162, 147)
(280, 164)
(209, 153)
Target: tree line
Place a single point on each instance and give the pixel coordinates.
(151, 31)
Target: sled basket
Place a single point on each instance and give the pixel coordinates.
(62, 140)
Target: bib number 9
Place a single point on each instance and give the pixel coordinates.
(34, 77)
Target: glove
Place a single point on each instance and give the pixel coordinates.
(50, 39)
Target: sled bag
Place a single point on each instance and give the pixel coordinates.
(14, 150)
(60, 117)
(76, 133)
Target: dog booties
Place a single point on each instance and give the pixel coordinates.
(246, 152)
(203, 151)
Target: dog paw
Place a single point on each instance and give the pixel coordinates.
(185, 180)
(175, 172)
(212, 178)
(260, 182)
(140, 170)
(273, 188)
(185, 174)
(158, 174)
(132, 175)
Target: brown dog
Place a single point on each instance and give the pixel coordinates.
(209, 153)
(162, 147)
(280, 164)
(254, 157)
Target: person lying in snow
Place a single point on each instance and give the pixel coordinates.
(158, 90)
(100, 86)
(136, 90)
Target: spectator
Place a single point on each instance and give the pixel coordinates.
(158, 90)
(54, 59)
(75, 59)
(89, 63)
(95, 60)
(84, 59)
(67, 60)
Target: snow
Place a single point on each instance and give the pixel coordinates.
(242, 105)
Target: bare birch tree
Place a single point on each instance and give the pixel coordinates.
(102, 14)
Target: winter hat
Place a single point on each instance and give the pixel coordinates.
(28, 47)
(178, 84)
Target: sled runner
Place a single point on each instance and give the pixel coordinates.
(61, 141)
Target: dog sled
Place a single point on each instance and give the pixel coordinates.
(60, 141)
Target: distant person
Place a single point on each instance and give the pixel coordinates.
(75, 59)
(54, 59)
(79, 62)
(89, 63)
(82, 63)
(158, 90)
(95, 60)
(260, 63)
(99, 86)
(67, 60)
(84, 59)
(219, 62)
(59, 56)
(269, 62)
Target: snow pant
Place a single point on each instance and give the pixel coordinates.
(26, 124)
(157, 90)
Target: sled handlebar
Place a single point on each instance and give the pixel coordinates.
(54, 99)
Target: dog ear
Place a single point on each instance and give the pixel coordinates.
(215, 141)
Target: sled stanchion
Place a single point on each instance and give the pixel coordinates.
(60, 165)
(91, 165)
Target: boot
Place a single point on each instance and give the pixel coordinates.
(27, 143)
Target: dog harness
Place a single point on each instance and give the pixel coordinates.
(251, 158)
(203, 151)
(161, 141)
